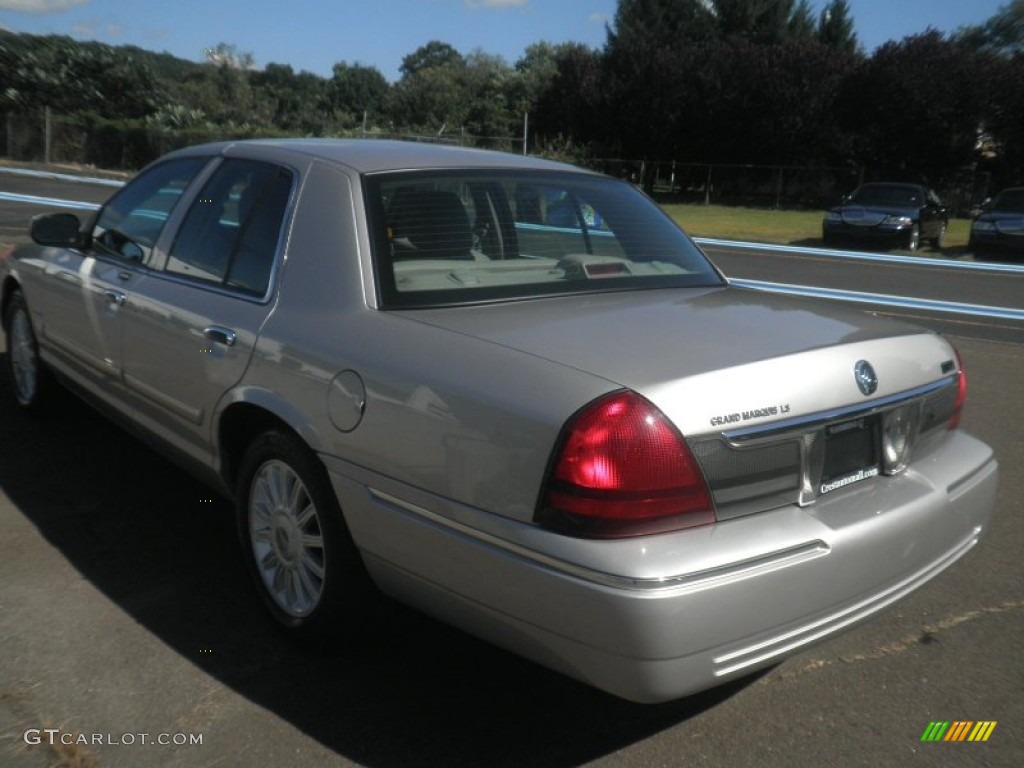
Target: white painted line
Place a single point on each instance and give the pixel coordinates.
(35, 200)
(61, 176)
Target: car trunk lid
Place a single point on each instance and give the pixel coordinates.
(712, 359)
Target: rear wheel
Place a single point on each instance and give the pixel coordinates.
(939, 241)
(296, 543)
(28, 376)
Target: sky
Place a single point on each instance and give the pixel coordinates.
(314, 34)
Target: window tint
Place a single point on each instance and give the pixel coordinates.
(132, 220)
(230, 234)
(455, 237)
(887, 194)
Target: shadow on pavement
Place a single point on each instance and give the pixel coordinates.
(134, 526)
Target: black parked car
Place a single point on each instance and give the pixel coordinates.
(999, 228)
(891, 215)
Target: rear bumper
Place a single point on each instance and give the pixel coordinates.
(659, 617)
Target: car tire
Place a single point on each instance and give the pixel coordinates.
(295, 541)
(939, 241)
(30, 379)
(914, 238)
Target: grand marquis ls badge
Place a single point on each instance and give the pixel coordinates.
(866, 378)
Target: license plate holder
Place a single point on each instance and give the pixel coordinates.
(852, 452)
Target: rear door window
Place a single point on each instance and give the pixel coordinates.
(231, 233)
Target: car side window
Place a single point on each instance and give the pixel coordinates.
(230, 234)
(131, 221)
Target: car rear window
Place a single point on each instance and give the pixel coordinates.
(443, 238)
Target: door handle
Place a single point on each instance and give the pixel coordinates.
(220, 335)
(114, 297)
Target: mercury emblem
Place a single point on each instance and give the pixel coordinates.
(866, 378)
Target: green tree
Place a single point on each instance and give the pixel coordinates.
(228, 55)
(836, 28)
(289, 101)
(221, 88)
(99, 79)
(567, 109)
(355, 90)
(68, 76)
(29, 79)
(1003, 118)
(644, 25)
(430, 96)
(535, 71)
(487, 81)
(1002, 33)
(433, 55)
(801, 25)
(916, 107)
(763, 21)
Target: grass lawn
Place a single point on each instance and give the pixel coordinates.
(762, 225)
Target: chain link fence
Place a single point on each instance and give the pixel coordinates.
(51, 138)
(773, 186)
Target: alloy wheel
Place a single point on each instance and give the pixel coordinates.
(24, 356)
(287, 539)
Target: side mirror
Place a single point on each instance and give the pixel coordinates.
(56, 229)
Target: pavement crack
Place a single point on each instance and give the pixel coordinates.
(929, 634)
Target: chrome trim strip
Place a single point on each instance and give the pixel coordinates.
(973, 266)
(802, 423)
(883, 299)
(681, 582)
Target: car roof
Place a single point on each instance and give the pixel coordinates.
(373, 155)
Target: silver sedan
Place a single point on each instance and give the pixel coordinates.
(511, 393)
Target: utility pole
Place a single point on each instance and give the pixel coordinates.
(526, 129)
(47, 135)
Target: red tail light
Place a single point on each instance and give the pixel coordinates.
(961, 394)
(622, 469)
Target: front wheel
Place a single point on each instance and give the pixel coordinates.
(914, 238)
(28, 375)
(296, 543)
(939, 241)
